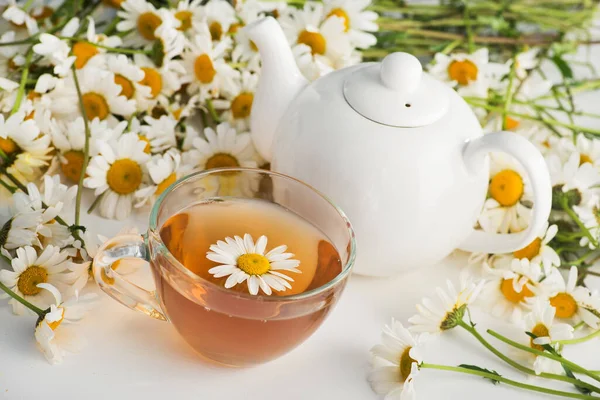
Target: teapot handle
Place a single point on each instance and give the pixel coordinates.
(533, 162)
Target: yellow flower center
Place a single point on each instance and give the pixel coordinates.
(462, 72)
(148, 148)
(506, 187)
(529, 251)
(30, 278)
(338, 12)
(74, 165)
(169, 180)
(204, 69)
(11, 64)
(147, 24)
(95, 106)
(242, 105)
(153, 80)
(177, 113)
(565, 305)
(540, 330)
(216, 30)
(510, 123)
(113, 3)
(40, 15)
(83, 51)
(406, 362)
(124, 176)
(8, 146)
(314, 40)
(253, 264)
(221, 160)
(127, 88)
(56, 324)
(509, 292)
(185, 17)
(233, 28)
(584, 158)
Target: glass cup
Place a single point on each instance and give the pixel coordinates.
(225, 326)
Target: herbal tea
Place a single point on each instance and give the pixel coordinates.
(220, 323)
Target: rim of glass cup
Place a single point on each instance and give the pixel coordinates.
(165, 251)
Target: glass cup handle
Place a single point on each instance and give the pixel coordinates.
(119, 288)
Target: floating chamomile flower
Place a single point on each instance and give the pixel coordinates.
(448, 310)
(358, 22)
(241, 260)
(207, 72)
(30, 269)
(395, 362)
(117, 173)
(238, 103)
(223, 148)
(55, 333)
(163, 170)
(509, 188)
(540, 322)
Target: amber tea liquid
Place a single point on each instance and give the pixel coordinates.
(223, 325)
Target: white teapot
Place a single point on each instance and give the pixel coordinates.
(400, 152)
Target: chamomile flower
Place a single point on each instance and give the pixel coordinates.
(87, 52)
(57, 51)
(395, 362)
(507, 291)
(538, 251)
(11, 57)
(163, 80)
(308, 29)
(188, 13)
(572, 303)
(128, 76)
(30, 269)
(159, 133)
(142, 16)
(219, 16)
(540, 322)
(223, 148)
(116, 174)
(242, 260)
(206, 70)
(55, 334)
(504, 210)
(470, 74)
(21, 229)
(238, 103)
(358, 22)
(19, 18)
(588, 149)
(27, 149)
(163, 170)
(444, 313)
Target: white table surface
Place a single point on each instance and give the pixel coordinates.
(130, 356)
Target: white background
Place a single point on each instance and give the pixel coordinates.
(132, 356)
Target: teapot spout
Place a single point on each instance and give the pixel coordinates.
(280, 81)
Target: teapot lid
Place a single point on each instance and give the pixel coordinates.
(396, 92)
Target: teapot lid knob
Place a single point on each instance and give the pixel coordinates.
(401, 72)
(397, 92)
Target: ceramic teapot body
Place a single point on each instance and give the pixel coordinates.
(413, 194)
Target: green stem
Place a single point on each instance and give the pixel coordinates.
(86, 148)
(498, 378)
(212, 111)
(581, 339)
(522, 368)
(571, 365)
(21, 300)
(11, 189)
(110, 49)
(24, 74)
(564, 202)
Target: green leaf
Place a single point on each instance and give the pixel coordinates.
(488, 371)
(563, 66)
